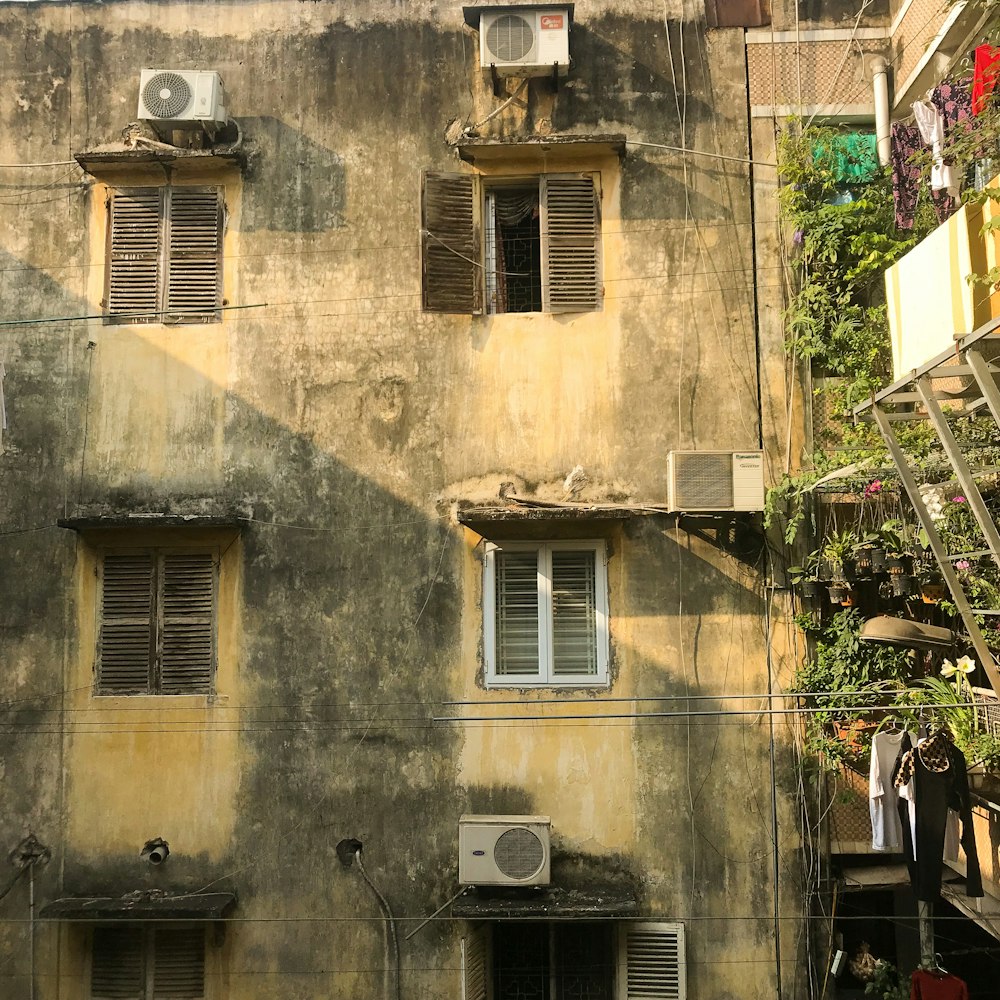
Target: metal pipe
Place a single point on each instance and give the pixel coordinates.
(31, 931)
(880, 89)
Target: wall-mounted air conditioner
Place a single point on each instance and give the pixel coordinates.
(182, 99)
(503, 850)
(525, 41)
(715, 481)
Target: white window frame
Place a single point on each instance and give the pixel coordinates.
(545, 676)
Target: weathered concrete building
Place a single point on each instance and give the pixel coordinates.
(353, 420)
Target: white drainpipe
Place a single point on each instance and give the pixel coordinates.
(880, 87)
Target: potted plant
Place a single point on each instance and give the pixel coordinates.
(898, 551)
(838, 550)
(806, 577)
(869, 554)
(932, 588)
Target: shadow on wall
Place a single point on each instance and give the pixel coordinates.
(291, 183)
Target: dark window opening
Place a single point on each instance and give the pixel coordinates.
(571, 961)
(513, 250)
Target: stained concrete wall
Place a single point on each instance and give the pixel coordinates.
(347, 423)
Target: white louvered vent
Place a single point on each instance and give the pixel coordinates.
(716, 481)
(571, 244)
(126, 642)
(651, 964)
(116, 967)
(517, 612)
(574, 612)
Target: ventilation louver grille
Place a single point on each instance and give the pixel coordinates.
(167, 95)
(518, 853)
(703, 481)
(510, 38)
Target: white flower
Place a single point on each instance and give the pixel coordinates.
(966, 664)
(948, 669)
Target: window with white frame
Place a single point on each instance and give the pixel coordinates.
(134, 962)
(545, 613)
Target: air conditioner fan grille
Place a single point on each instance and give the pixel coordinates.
(703, 480)
(518, 853)
(510, 38)
(166, 95)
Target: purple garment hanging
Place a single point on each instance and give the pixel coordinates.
(954, 100)
(905, 141)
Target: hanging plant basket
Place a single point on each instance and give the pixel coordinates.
(932, 592)
(877, 554)
(811, 589)
(839, 592)
(902, 584)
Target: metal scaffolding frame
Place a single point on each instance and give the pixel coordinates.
(920, 399)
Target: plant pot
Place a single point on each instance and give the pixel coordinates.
(863, 563)
(811, 589)
(839, 592)
(825, 570)
(902, 584)
(898, 564)
(931, 593)
(877, 554)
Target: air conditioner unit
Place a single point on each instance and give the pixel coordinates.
(716, 481)
(503, 850)
(525, 41)
(182, 99)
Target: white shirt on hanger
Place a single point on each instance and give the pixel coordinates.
(883, 796)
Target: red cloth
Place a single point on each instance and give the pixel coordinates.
(927, 984)
(984, 76)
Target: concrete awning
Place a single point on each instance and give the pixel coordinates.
(141, 905)
(539, 147)
(473, 12)
(875, 876)
(549, 902)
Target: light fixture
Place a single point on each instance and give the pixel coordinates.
(905, 634)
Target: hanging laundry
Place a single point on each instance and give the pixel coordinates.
(984, 75)
(905, 141)
(937, 770)
(883, 796)
(936, 984)
(954, 100)
(931, 126)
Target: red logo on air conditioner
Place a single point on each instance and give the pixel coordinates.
(551, 22)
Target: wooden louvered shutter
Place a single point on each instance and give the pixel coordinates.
(574, 612)
(476, 967)
(134, 257)
(516, 612)
(651, 963)
(188, 613)
(178, 964)
(194, 264)
(571, 243)
(127, 650)
(116, 971)
(450, 242)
